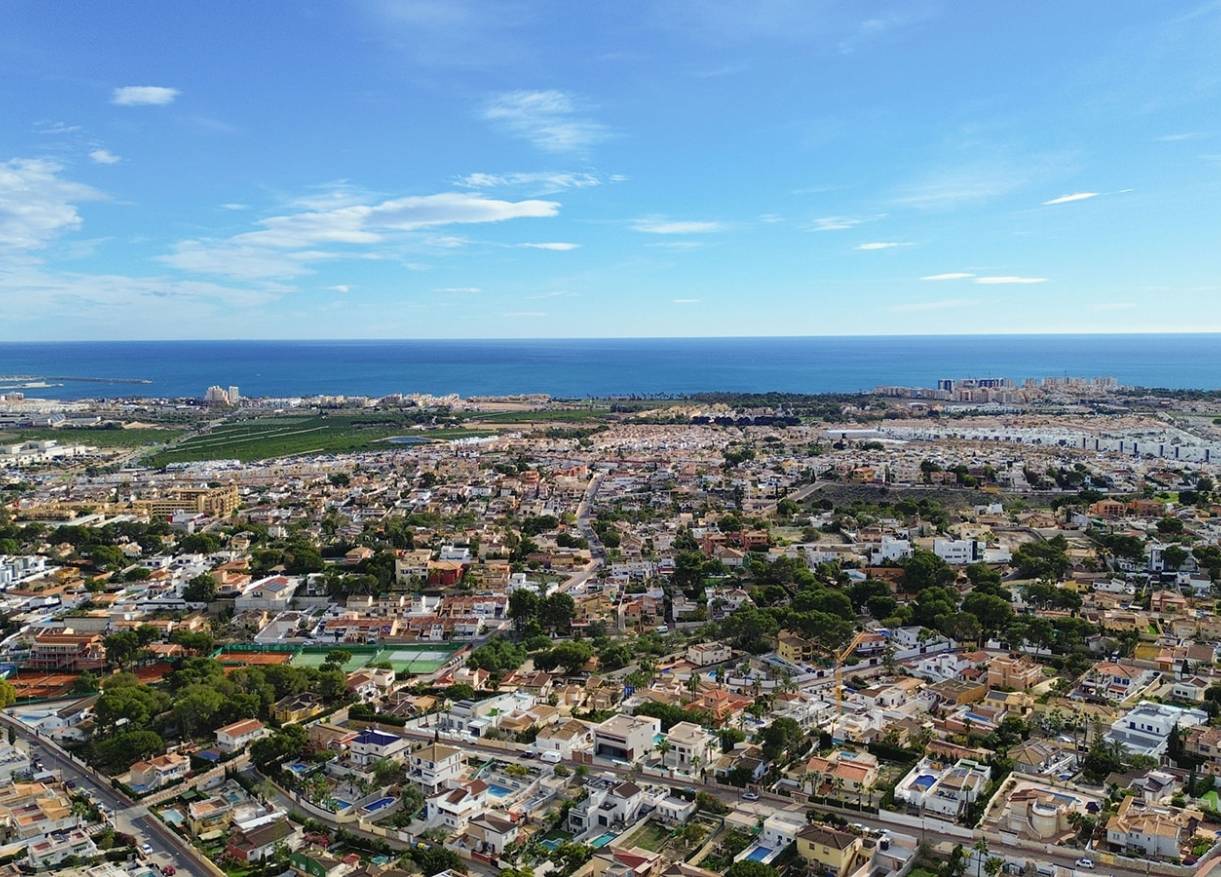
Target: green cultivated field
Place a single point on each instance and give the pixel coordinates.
(266, 437)
(98, 438)
(575, 415)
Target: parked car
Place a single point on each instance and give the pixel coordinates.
(1085, 864)
(750, 796)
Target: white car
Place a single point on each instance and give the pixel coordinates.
(750, 796)
(1085, 864)
(146, 848)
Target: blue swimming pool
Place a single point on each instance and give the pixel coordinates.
(340, 804)
(374, 806)
(758, 854)
(602, 840)
(498, 790)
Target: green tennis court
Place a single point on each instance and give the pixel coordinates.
(416, 659)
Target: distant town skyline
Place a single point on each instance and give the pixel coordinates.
(427, 169)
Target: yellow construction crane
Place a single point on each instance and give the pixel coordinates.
(839, 658)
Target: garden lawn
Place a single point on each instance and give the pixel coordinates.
(650, 836)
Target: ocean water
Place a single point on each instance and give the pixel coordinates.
(582, 367)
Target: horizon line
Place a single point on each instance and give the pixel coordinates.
(536, 338)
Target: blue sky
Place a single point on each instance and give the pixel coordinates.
(548, 169)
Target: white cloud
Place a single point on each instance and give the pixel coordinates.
(686, 301)
(1068, 199)
(36, 204)
(234, 205)
(1179, 137)
(341, 288)
(536, 182)
(882, 245)
(949, 275)
(836, 223)
(458, 290)
(525, 314)
(231, 258)
(1114, 306)
(964, 183)
(286, 245)
(1009, 279)
(550, 120)
(556, 246)
(940, 305)
(69, 296)
(143, 96)
(665, 226)
(104, 156)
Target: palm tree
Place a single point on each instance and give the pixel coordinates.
(662, 748)
(981, 847)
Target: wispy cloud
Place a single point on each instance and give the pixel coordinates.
(525, 315)
(686, 301)
(143, 96)
(286, 245)
(104, 156)
(341, 288)
(964, 183)
(56, 129)
(37, 204)
(555, 246)
(836, 223)
(534, 182)
(458, 290)
(1114, 306)
(1069, 199)
(881, 245)
(1009, 279)
(944, 304)
(948, 275)
(655, 225)
(1180, 137)
(550, 120)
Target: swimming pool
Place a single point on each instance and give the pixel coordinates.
(551, 843)
(374, 806)
(602, 840)
(340, 804)
(498, 790)
(758, 854)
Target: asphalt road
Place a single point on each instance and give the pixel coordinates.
(128, 817)
(769, 802)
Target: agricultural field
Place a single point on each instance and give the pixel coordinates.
(557, 415)
(99, 437)
(266, 437)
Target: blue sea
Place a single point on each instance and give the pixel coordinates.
(595, 367)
